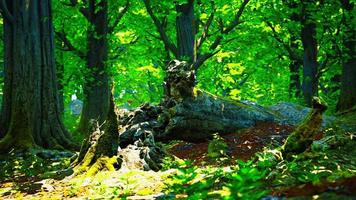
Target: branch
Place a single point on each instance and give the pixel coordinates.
(204, 35)
(163, 35)
(120, 49)
(5, 12)
(236, 20)
(230, 27)
(153, 35)
(119, 17)
(244, 80)
(85, 13)
(68, 44)
(291, 53)
(201, 59)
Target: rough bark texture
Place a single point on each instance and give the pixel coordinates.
(189, 115)
(310, 64)
(99, 150)
(31, 113)
(301, 139)
(96, 87)
(185, 26)
(347, 98)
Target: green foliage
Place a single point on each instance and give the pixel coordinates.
(217, 148)
(244, 181)
(193, 183)
(334, 162)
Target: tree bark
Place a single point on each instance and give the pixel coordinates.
(99, 150)
(96, 87)
(185, 26)
(310, 64)
(31, 113)
(347, 99)
(189, 115)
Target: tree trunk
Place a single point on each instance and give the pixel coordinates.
(347, 98)
(189, 115)
(96, 87)
(31, 113)
(100, 149)
(185, 26)
(310, 64)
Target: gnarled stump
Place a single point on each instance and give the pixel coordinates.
(301, 139)
(99, 150)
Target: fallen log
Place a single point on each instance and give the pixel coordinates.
(189, 114)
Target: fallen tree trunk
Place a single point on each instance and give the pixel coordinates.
(188, 114)
(184, 114)
(200, 117)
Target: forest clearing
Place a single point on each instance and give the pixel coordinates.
(186, 99)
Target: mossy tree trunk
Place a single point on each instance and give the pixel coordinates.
(99, 150)
(301, 139)
(185, 30)
(30, 114)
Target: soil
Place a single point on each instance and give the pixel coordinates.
(241, 145)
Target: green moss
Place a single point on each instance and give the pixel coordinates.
(301, 139)
(102, 164)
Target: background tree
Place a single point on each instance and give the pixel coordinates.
(347, 98)
(187, 25)
(30, 111)
(96, 88)
(310, 45)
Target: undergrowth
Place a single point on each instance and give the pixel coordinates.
(330, 159)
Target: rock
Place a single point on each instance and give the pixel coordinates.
(76, 107)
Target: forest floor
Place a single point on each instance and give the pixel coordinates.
(327, 174)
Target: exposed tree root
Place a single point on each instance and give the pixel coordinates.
(18, 143)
